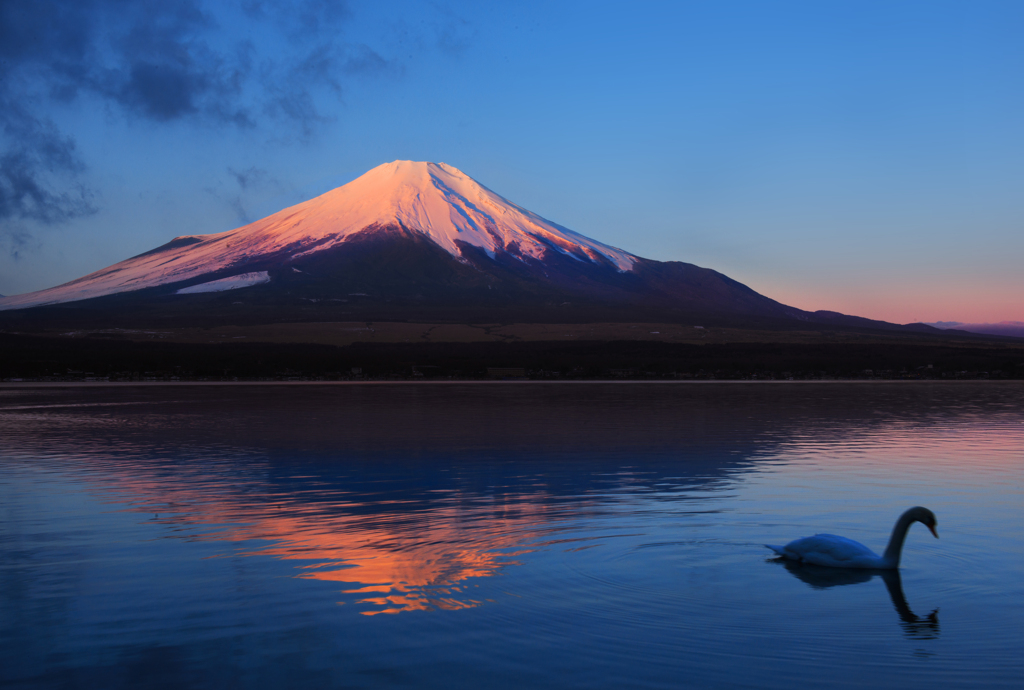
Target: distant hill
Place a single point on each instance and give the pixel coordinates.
(1013, 329)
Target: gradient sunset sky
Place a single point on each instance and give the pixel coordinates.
(864, 157)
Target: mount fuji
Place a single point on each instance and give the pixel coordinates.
(407, 241)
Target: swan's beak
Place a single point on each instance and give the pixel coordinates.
(932, 528)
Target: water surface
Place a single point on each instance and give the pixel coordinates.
(562, 535)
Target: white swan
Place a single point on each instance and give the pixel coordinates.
(840, 552)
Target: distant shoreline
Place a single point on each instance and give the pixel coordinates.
(33, 359)
(477, 382)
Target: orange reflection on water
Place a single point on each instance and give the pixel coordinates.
(418, 569)
(397, 560)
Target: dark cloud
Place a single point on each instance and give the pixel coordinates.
(39, 165)
(249, 65)
(38, 170)
(157, 60)
(169, 66)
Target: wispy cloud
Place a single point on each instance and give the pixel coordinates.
(15, 241)
(251, 180)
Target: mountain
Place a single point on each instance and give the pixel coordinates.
(435, 200)
(1013, 329)
(408, 241)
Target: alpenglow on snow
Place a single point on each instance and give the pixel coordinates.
(439, 201)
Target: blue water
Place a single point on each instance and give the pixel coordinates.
(507, 535)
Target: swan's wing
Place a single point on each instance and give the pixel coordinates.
(832, 551)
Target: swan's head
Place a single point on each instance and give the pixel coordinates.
(925, 517)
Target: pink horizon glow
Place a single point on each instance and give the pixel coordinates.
(920, 303)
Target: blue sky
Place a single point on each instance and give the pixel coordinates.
(865, 157)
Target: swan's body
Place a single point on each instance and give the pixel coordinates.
(829, 550)
(839, 552)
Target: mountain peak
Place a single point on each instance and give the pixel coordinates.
(450, 207)
(409, 173)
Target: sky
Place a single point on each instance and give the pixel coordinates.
(862, 157)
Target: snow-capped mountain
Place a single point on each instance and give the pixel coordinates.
(437, 200)
(405, 241)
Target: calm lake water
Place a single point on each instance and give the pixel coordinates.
(507, 535)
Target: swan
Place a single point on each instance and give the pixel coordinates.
(840, 552)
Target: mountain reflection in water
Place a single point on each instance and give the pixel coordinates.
(526, 535)
(398, 557)
(427, 496)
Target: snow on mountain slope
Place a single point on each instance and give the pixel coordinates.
(232, 283)
(435, 199)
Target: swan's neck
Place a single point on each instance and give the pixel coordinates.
(891, 557)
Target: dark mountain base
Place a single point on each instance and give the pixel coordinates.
(30, 357)
(256, 308)
(394, 274)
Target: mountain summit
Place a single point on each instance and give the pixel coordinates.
(409, 241)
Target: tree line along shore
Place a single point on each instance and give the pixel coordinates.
(27, 357)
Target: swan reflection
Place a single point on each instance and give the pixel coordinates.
(819, 577)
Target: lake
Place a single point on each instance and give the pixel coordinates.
(507, 535)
